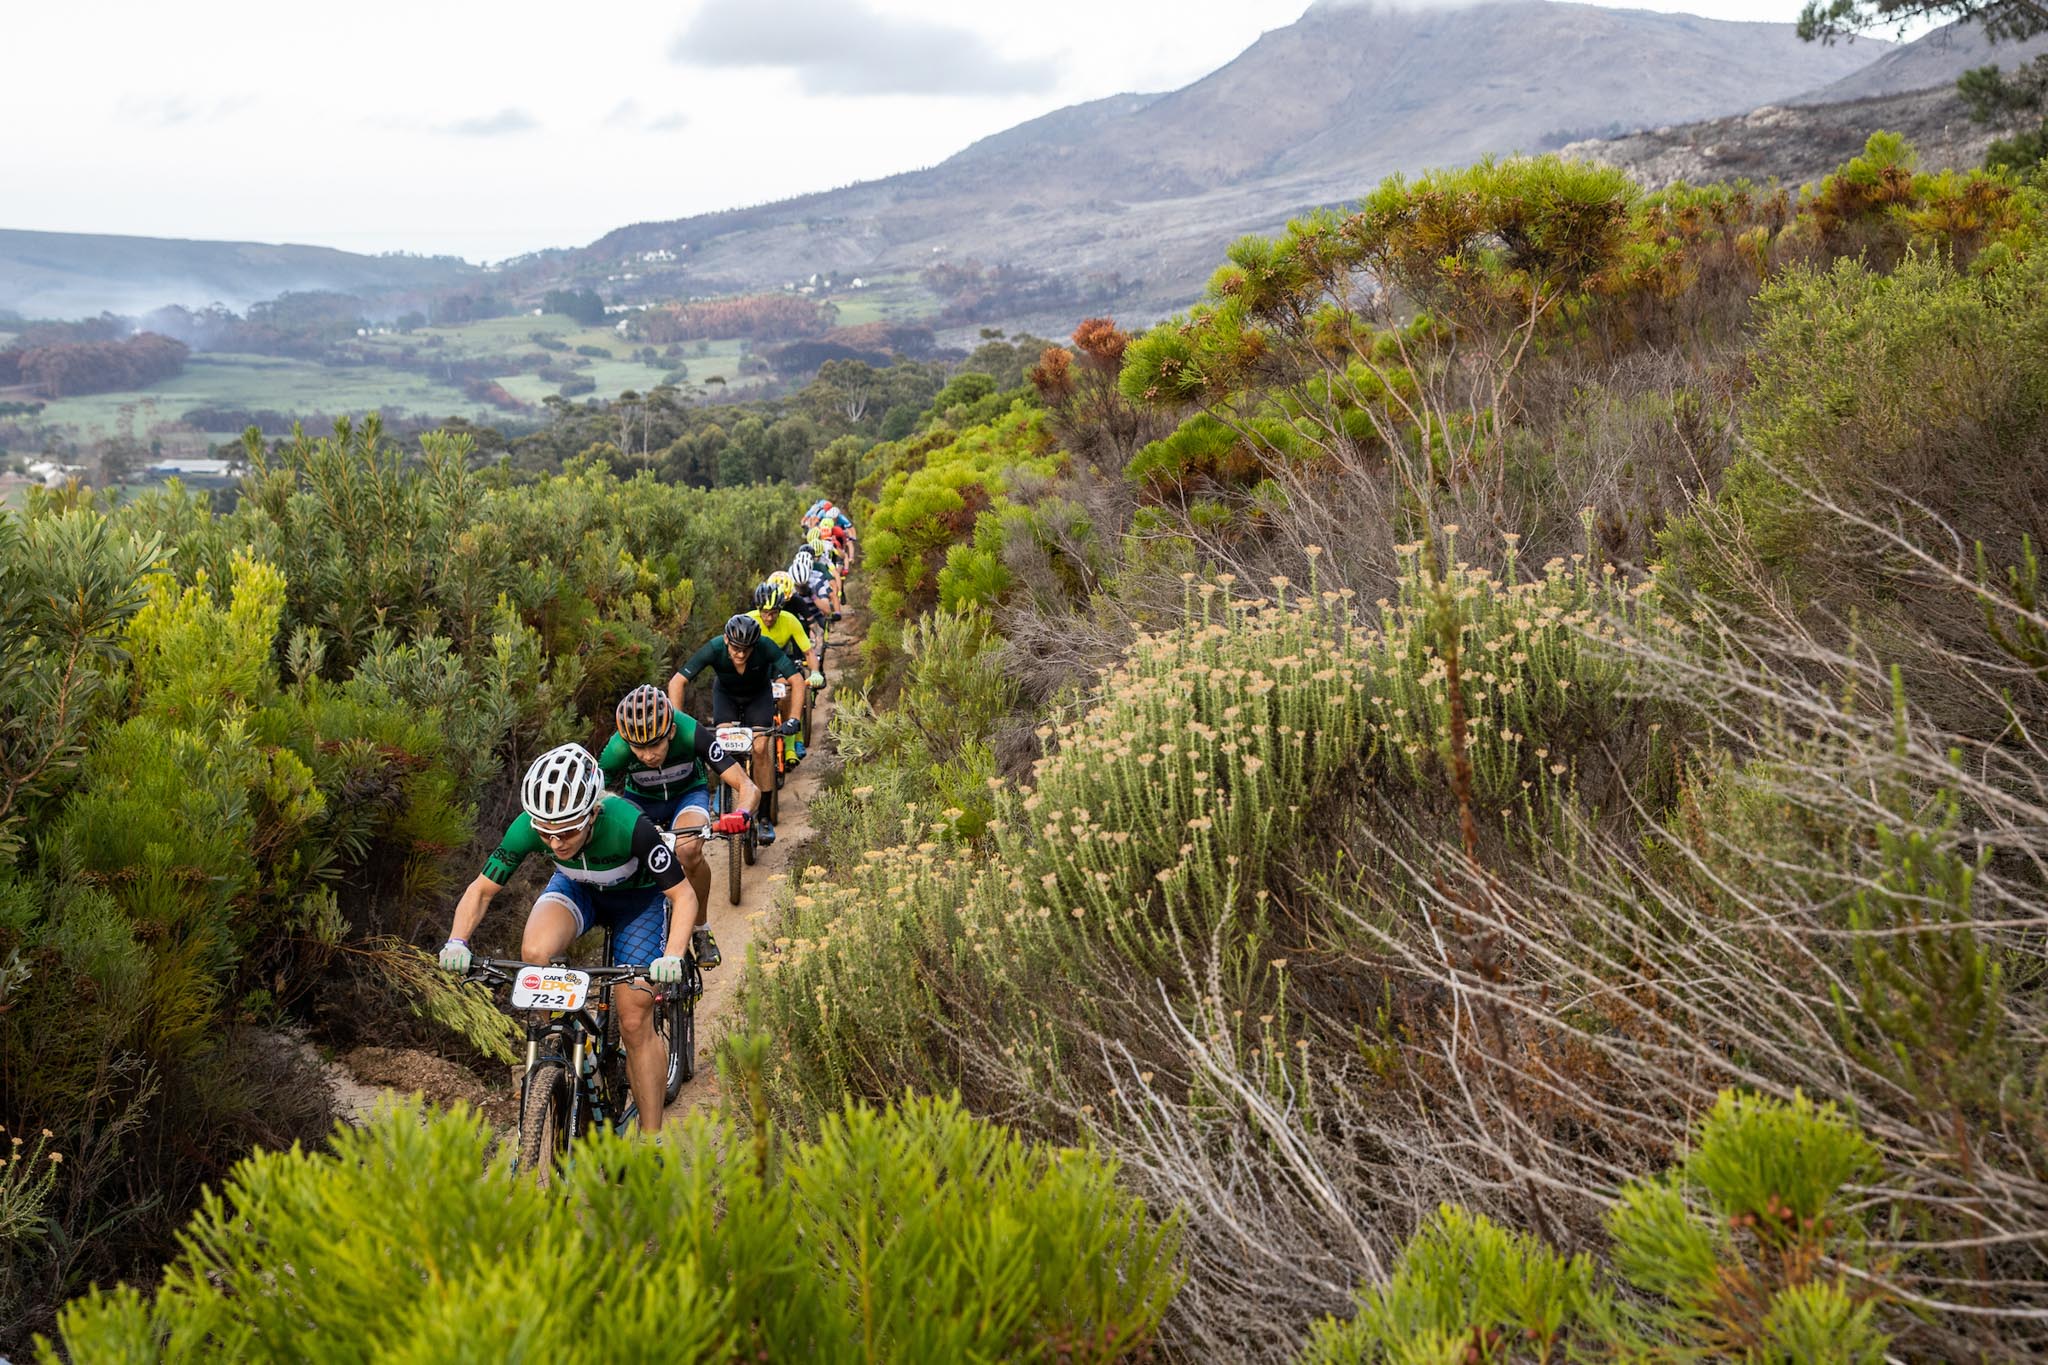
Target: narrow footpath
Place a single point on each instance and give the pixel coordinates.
(735, 925)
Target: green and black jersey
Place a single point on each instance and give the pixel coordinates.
(765, 663)
(625, 852)
(692, 756)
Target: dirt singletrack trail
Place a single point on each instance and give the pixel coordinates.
(369, 1076)
(736, 925)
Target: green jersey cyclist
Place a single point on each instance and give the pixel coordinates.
(743, 666)
(612, 868)
(661, 762)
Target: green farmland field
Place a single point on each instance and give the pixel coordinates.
(292, 387)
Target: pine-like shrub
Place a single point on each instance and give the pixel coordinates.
(1752, 1247)
(914, 1233)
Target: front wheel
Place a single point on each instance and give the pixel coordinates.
(732, 867)
(676, 1023)
(544, 1120)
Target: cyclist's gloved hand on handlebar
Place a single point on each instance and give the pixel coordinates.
(817, 678)
(667, 969)
(735, 823)
(455, 956)
(789, 727)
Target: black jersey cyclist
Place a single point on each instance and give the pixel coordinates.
(814, 580)
(612, 868)
(662, 762)
(743, 667)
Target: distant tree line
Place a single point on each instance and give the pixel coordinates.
(581, 304)
(69, 368)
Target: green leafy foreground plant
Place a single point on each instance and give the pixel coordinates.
(1745, 1250)
(918, 1232)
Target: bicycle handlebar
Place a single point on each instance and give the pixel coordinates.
(498, 971)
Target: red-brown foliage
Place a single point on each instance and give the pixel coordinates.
(67, 368)
(756, 317)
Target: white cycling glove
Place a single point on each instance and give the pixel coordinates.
(666, 969)
(816, 679)
(455, 956)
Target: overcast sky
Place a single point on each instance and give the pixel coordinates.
(487, 130)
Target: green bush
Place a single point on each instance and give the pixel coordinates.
(915, 1233)
(1751, 1247)
(240, 761)
(1923, 389)
(930, 506)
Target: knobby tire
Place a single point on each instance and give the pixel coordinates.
(544, 1120)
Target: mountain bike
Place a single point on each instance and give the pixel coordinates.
(738, 847)
(737, 738)
(811, 694)
(575, 1076)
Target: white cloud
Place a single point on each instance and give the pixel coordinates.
(171, 110)
(503, 123)
(841, 47)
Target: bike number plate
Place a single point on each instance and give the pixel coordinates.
(549, 988)
(780, 688)
(735, 739)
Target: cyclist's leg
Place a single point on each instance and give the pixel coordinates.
(694, 812)
(639, 933)
(560, 915)
(727, 709)
(759, 713)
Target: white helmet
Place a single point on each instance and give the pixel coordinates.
(562, 788)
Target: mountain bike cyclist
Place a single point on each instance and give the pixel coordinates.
(799, 603)
(828, 558)
(743, 665)
(612, 868)
(660, 761)
(813, 580)
(789, 635)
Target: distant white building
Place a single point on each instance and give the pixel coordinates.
(50, 474)
(198, 472)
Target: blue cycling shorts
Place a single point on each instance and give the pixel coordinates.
(638, 919)
(664, 812)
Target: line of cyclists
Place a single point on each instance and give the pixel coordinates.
(626, 827)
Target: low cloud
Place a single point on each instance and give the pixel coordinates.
(170, 111)
(628, 116)
(841, 47)
(504, 123)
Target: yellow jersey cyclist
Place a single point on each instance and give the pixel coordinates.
(663, 763)
(743, 665)
(612, 869)
(780, 625)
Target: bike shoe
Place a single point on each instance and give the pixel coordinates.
(764, 833)
(705, 947)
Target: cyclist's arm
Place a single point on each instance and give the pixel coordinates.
(660, 861)
(498, 869)
(615, 762)
(469, 911)
(801, 639)
(781, 666)
(697, 663)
